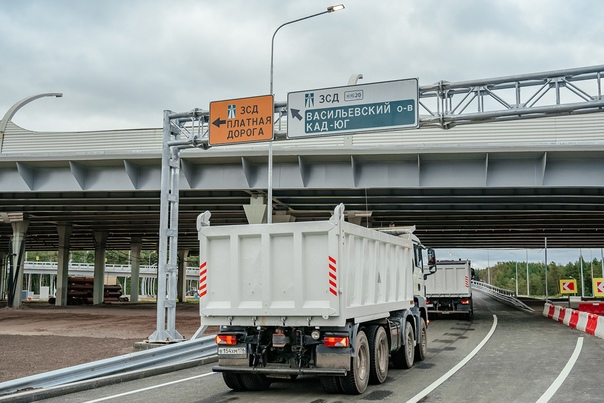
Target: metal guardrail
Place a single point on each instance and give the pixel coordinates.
(154, 357)
(501, 294)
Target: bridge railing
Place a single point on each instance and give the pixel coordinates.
(501, 294)
(36, 267)
(492, 288)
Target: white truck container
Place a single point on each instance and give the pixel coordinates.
(449, 290)
(328, 298)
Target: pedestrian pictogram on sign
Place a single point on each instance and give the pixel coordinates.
(241, 120)
(598, 287)
(568, 286)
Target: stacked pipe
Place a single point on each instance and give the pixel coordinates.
(80, 291)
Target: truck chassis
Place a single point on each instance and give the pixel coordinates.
(347, 360)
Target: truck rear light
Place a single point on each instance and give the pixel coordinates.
(336, 341)
(465, 302)
(226, 339)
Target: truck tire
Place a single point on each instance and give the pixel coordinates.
(233, 381)
(380, 355)
(331, 384)
(403, 358)
(356, 380)
(255, 382)
(422, 343)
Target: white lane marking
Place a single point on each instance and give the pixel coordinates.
(456, 368)
(562, 377)
(150, 387)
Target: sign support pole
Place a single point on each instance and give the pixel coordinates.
(546, 291)
(167, 270)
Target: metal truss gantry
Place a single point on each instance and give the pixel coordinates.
(554, 93)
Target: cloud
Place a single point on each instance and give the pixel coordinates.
(120, 64)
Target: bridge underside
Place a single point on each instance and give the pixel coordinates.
(522, 160)
(475, 199)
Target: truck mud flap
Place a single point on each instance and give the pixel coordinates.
(333, 358)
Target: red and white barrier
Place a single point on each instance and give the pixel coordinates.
(586, 322)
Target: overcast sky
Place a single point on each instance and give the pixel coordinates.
(120, 63)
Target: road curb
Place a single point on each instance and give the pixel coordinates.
(589, 323)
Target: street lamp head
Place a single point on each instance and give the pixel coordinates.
(11, 112)
(337, 7)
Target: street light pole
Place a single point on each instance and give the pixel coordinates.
(527, 275)
(488, 267)
(19, 227)
(581, 266)
(516, 259)
(269, 202)
(591, 263)
(11, 112)
(546, 289)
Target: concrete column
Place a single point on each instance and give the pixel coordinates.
(256, 210)
(3, 274)
(100, 242)
(63, 264)
(136, 245)
(20, 224)
(183, 259)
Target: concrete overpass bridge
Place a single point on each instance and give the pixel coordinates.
(509, 181)
(47, 272)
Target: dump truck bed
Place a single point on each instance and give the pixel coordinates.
(302, 273)
(453, 278)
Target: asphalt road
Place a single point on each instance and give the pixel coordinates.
(521, 357)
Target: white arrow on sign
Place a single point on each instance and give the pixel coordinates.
(600, 286)
(568, 287)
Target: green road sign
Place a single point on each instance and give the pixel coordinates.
(386, 105)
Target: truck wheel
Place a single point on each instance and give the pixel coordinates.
(403, 358)
(422, 343)
(331, 384)
(356, 380)
(233, 381)
(380, 355)
(255, 381)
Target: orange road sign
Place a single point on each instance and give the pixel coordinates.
(568, 286)
(241, 120)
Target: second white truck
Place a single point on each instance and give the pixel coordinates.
(449, 290)
(326, 298)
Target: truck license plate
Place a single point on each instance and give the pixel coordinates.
(235, 352)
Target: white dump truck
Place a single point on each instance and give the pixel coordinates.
(449, 290)
(326, 298)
